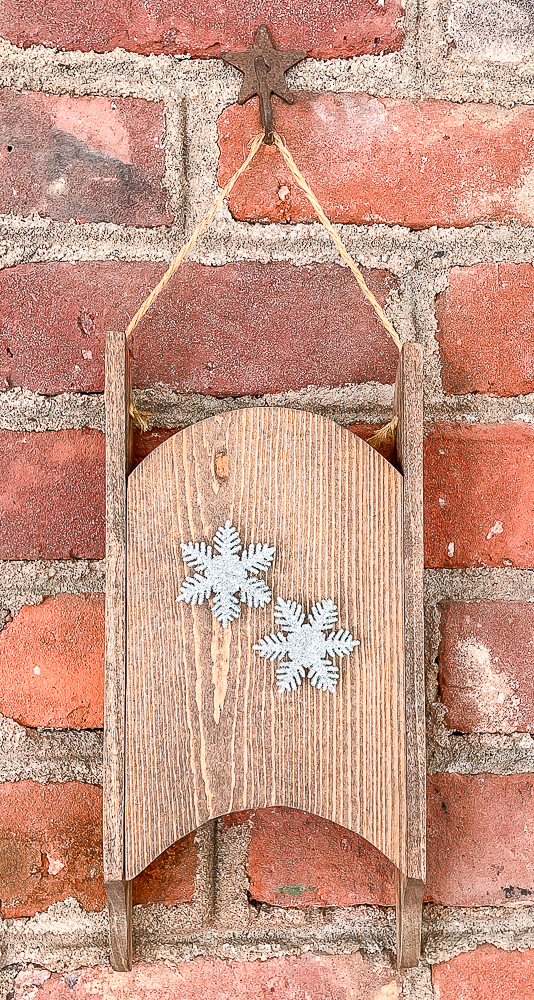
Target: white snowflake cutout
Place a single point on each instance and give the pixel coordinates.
(306, 645)
(226, 574)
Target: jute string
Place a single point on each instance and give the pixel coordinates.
(325, 221)
(182, 254)
(336, 239)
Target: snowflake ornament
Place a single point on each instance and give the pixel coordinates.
(226, 574)
(306, 645)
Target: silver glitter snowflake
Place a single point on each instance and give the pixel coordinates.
(226, 574)
(306, 645)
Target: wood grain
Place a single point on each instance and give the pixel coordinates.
(410, 887)
(409, 409)
(207, 731)
(118, 465)
(410, 893)
(119, 898)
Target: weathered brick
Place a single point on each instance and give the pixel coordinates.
(479, 842)
(50, 846)
(370, 159)
(488, 29)
(52, 663)
(52, 495)
(170, 879)
(486, 329)
(321, 977)
(84, 158)
(486, 974)
(329, 30)
(28, 977)
(485, 666)
(295, 859)
(146, 441)
(479, 495)
(231, 330)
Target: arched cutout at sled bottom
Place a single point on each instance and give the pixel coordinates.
(195, 724)
(408, 895)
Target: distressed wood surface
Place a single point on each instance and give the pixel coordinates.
(207, 730)
(409, 409)
(410, 894)
(410, 888)
(118, 465)
(119, 899)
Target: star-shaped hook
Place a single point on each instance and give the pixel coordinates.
(264, 71)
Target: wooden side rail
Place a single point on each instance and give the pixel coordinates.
(409, 441)
(118, 467)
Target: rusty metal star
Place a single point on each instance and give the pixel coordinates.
(264, 71)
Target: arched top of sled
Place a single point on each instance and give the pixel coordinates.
(228, 422)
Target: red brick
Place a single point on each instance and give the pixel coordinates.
(52, 495)
(146, 441)
(479, 844)
(486, 330)
(486, 974)
(52, 663)
(479, 495)
(50, 846)
(312, 977)
(170, 879)
(295, 859)
(329, 30)
(485, 666)
(370, 159)
(84, 158)
(232, 330)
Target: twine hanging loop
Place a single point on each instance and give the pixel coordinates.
(183, 252)
(323, 219)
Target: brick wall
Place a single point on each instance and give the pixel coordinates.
(415, 129)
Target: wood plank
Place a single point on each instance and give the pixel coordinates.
(410, 887)
(119, 897)
(118, 466)
(409, 409)
(207, 730)
(410, 893)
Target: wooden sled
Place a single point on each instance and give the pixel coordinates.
(195, 726)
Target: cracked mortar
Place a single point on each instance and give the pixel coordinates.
(36, 239)
(29, 582)
(47, 755)
(231, 905)
(65, 937)
(417, 983)
(475, 753)
(22, 410)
